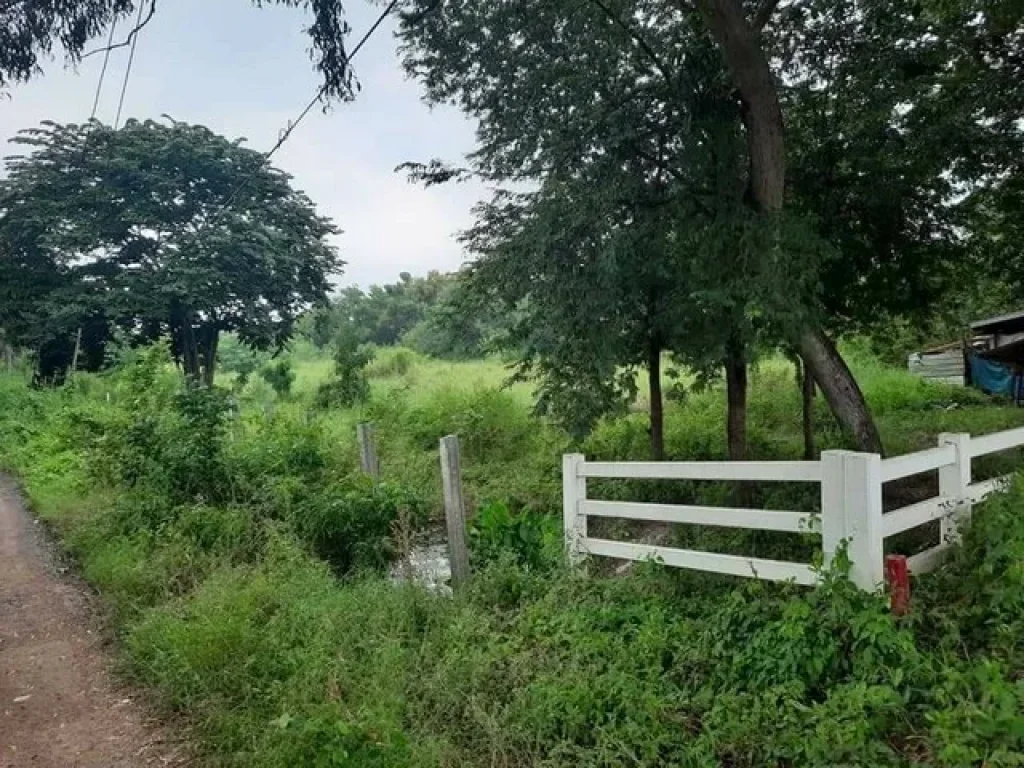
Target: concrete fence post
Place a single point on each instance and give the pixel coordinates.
(574, 490)
(954, 481)
(851, 511)
(454, 509)
(368, 460)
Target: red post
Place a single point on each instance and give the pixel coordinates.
(898, 578)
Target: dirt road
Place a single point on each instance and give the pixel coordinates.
(59, 704)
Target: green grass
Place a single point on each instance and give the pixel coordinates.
(241, 560)
(510, 455)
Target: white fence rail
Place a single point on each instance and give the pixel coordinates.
(851, 507)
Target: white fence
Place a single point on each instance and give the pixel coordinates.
(851, 506)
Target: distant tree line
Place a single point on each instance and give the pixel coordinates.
(430, 314)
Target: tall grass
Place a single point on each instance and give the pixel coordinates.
(250, 600)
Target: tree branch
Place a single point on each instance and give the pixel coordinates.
(131, 35)
(638, 39)
(662, 166)
(9, 6)
(433, 173)
(763, 13)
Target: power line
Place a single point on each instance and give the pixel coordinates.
(128, 69)
(286, 134)
(131, 35)
(103, 72)
(290, 128)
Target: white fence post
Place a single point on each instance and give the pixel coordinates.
(851, 511)
(954, 481)
(574, 490)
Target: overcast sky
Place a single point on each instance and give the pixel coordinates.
(244, 71)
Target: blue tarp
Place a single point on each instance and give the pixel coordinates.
(994, 378)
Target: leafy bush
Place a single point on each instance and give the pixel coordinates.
(350, 385)
(350, 527)
(532, 540)
(238, 359)
(392, 362)
(280, 376)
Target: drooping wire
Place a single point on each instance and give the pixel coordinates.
(287, 132)
(103, 71)
(128, 69)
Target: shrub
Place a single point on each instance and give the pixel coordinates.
(238, 359)
(350, 526)
(392, 362)
(280, 376)
(532, 540)
(350, 385)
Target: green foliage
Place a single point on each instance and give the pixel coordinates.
(392, 362)
(280, 376)
(227, 609)
(530, 539)
(427, 314)
(350, 385)
(641, 244)
(235, 358)
(88, 203)
(351, 529)
(900, 181)
(169, 447)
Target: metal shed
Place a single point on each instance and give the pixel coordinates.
(997, 333)
(946, 363)
(991, 358)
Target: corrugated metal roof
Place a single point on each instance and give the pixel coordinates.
(1010, 323)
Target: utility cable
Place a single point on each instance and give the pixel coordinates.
(287, 132)
(128, 69)
(103, 71)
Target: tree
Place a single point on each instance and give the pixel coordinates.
(350, 384)
(984, 89)
(565, 266)
(608, 117)
(160, 229)
(455, 326)
(892, 115)
(739, 40)
(426, 313)
(31, 29)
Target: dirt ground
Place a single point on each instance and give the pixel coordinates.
(59, 703)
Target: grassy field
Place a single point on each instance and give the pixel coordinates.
(508, 455)
(241, 555)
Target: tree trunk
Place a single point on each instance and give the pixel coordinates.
(77, 352)
(807, 391)
(763, 114)
(748, 66)
(657, 403)
(189, 349)
(210, 338)
(736, 395)
(840, 388)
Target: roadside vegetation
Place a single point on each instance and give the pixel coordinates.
(714, 230)
(243, 559)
